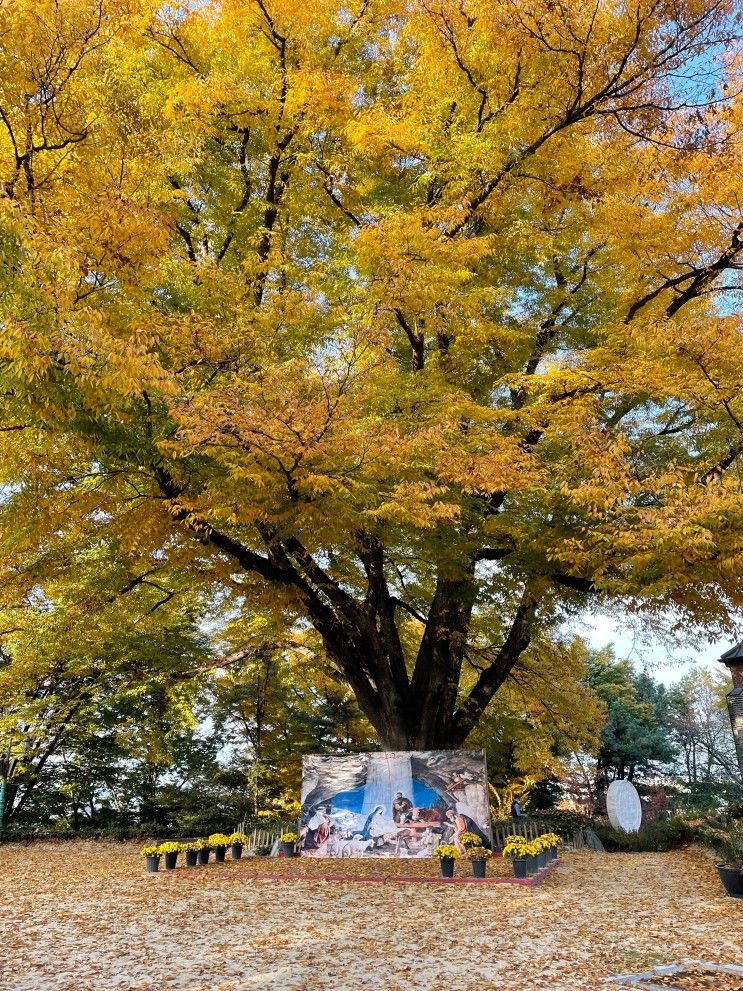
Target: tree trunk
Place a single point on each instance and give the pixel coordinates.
(425, 710)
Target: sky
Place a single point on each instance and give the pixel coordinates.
(667, 663)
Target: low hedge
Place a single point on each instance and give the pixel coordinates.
(663, 835)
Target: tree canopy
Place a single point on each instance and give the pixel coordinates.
(415, 324)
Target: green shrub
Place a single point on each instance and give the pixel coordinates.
(724, 834)
(673, 832)
(707, 799)
(564, 820)
(663, 835)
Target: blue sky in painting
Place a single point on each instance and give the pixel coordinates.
(423, 797)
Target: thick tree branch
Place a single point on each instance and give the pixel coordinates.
(490, 680)
(247, 559)
(574, 582)
(493, 553)
(417, 341)
(409, 609)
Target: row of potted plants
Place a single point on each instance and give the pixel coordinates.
(476, 853)
(530, 856)
(527, 856)
(196, 852)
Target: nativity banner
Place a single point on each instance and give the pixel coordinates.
(392, 804)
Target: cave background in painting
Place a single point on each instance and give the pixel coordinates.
(397, 804)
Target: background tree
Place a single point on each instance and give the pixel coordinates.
(130, 705)
(413, 322)
(635, 739)
(700, 729)
(277, 706)
(93, 660)
(545, 712)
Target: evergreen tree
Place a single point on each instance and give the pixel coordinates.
(635, 740)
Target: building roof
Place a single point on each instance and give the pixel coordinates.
(734, 654)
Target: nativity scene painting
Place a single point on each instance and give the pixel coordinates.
(400, 804)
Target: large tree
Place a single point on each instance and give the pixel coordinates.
(415, 322)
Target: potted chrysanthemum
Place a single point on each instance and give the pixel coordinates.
(170, 851)
(541, 847)
(478, 856)
(287, 842)
(447, 854)
(218, 842)
(515, 850)
(152, 858)
(191, 851)
(532, 851)
(202, 852)
(729, 843)
(468, 840)
(237, 842)
(552, 841)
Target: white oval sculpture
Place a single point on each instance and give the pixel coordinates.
(623, 806)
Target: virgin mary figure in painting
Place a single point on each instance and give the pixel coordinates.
(373, 826)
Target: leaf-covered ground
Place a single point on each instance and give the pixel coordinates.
(83, 917)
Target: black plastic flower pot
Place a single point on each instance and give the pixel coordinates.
(153, 864)
(542, 860)
(552, 852)
(519, 868)
(447, 866)
(237, 851)
(191, 858)
(478, 868)
(219, 853)
(532, 865)
(286, 849)
(203, 856)
(732, 879)
(170, 860)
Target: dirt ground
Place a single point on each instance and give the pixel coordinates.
(84, 917)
